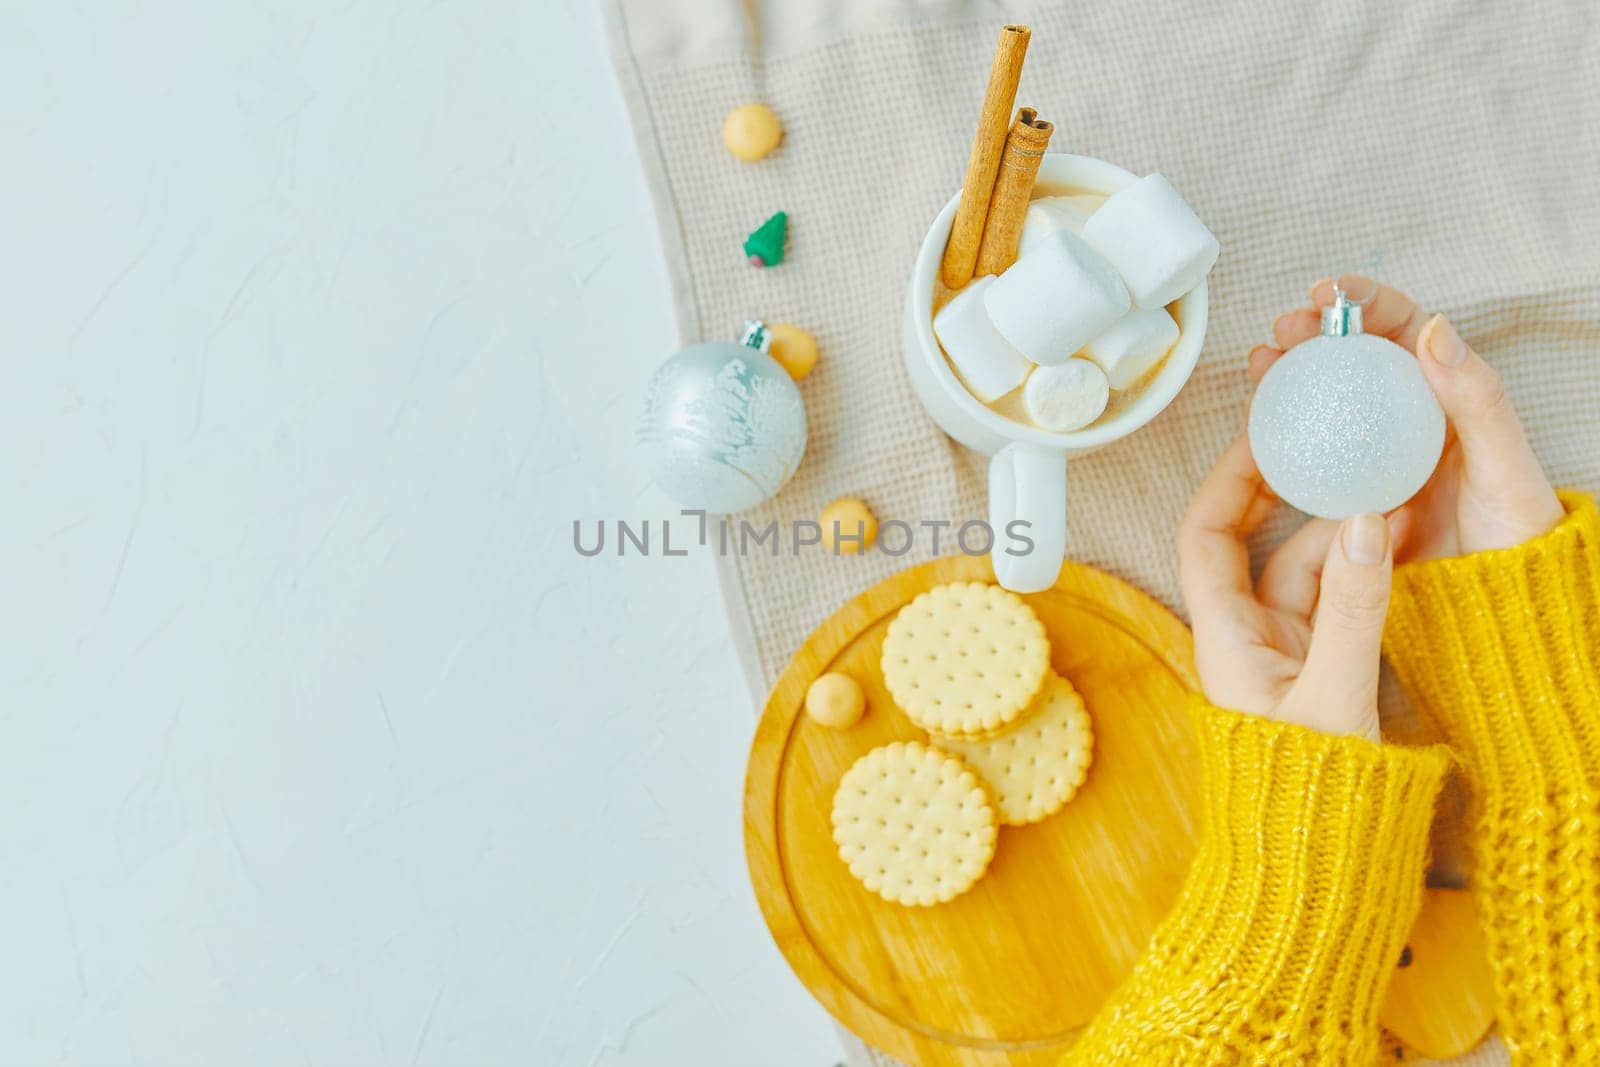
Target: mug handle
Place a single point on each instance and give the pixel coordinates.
(1028, 484)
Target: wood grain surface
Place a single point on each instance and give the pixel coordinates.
(1009, 971)
(1441, 1002)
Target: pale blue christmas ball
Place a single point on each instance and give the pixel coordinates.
(722, 427)
(1345, 425)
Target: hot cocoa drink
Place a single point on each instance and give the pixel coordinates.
(1073, 331)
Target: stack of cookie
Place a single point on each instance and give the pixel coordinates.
(1010, 743)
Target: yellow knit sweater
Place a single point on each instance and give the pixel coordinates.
(1310, 871)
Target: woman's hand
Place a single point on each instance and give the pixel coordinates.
(1488, 490)
(1301, 644)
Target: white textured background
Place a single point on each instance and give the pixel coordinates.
(318, 744)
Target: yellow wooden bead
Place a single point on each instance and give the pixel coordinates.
(793, 348)
(751, 132)
(835, 700)
(853, 518)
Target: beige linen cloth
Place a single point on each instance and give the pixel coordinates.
(1454, 144)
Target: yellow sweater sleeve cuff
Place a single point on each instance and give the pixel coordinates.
(1501, 650)
(1292, 918)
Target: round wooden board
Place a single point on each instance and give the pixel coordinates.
(1008, 971)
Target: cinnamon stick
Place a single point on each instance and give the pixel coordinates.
(966, 230)
(1013, 188)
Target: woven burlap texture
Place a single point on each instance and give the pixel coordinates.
(1454, 145)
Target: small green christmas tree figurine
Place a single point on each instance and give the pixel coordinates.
(765, 245)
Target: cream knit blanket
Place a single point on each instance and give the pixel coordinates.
(1454, 144)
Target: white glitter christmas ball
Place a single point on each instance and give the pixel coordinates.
(1342, 425)
(722, 427)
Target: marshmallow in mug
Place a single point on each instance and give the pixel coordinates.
(1154, 239)
(1056, 299)
(987, 363)
(1134, 344)
(1066, 397)
(1048, 214)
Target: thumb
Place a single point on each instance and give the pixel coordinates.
(1498, 462)
(1337, 689)
(1472, 396)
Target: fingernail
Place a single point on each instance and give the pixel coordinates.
(1444, 344)
(1366, 539)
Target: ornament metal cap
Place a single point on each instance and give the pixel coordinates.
(1341, 318)
(756, 336)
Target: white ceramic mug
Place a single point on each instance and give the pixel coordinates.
(1027, 465)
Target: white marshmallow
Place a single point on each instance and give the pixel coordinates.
(1055, 299)
(1133, 345)
(1051, 213)
(1154, 239)
(987, 363)
(1066, 397)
